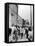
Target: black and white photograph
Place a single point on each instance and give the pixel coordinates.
(19, 22)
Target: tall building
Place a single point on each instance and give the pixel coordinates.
(14, 18)
(13, 13)
(31, 15)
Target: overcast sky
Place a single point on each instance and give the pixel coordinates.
(24, 11)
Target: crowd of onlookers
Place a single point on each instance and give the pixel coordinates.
(17, 32)
(20, 32)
